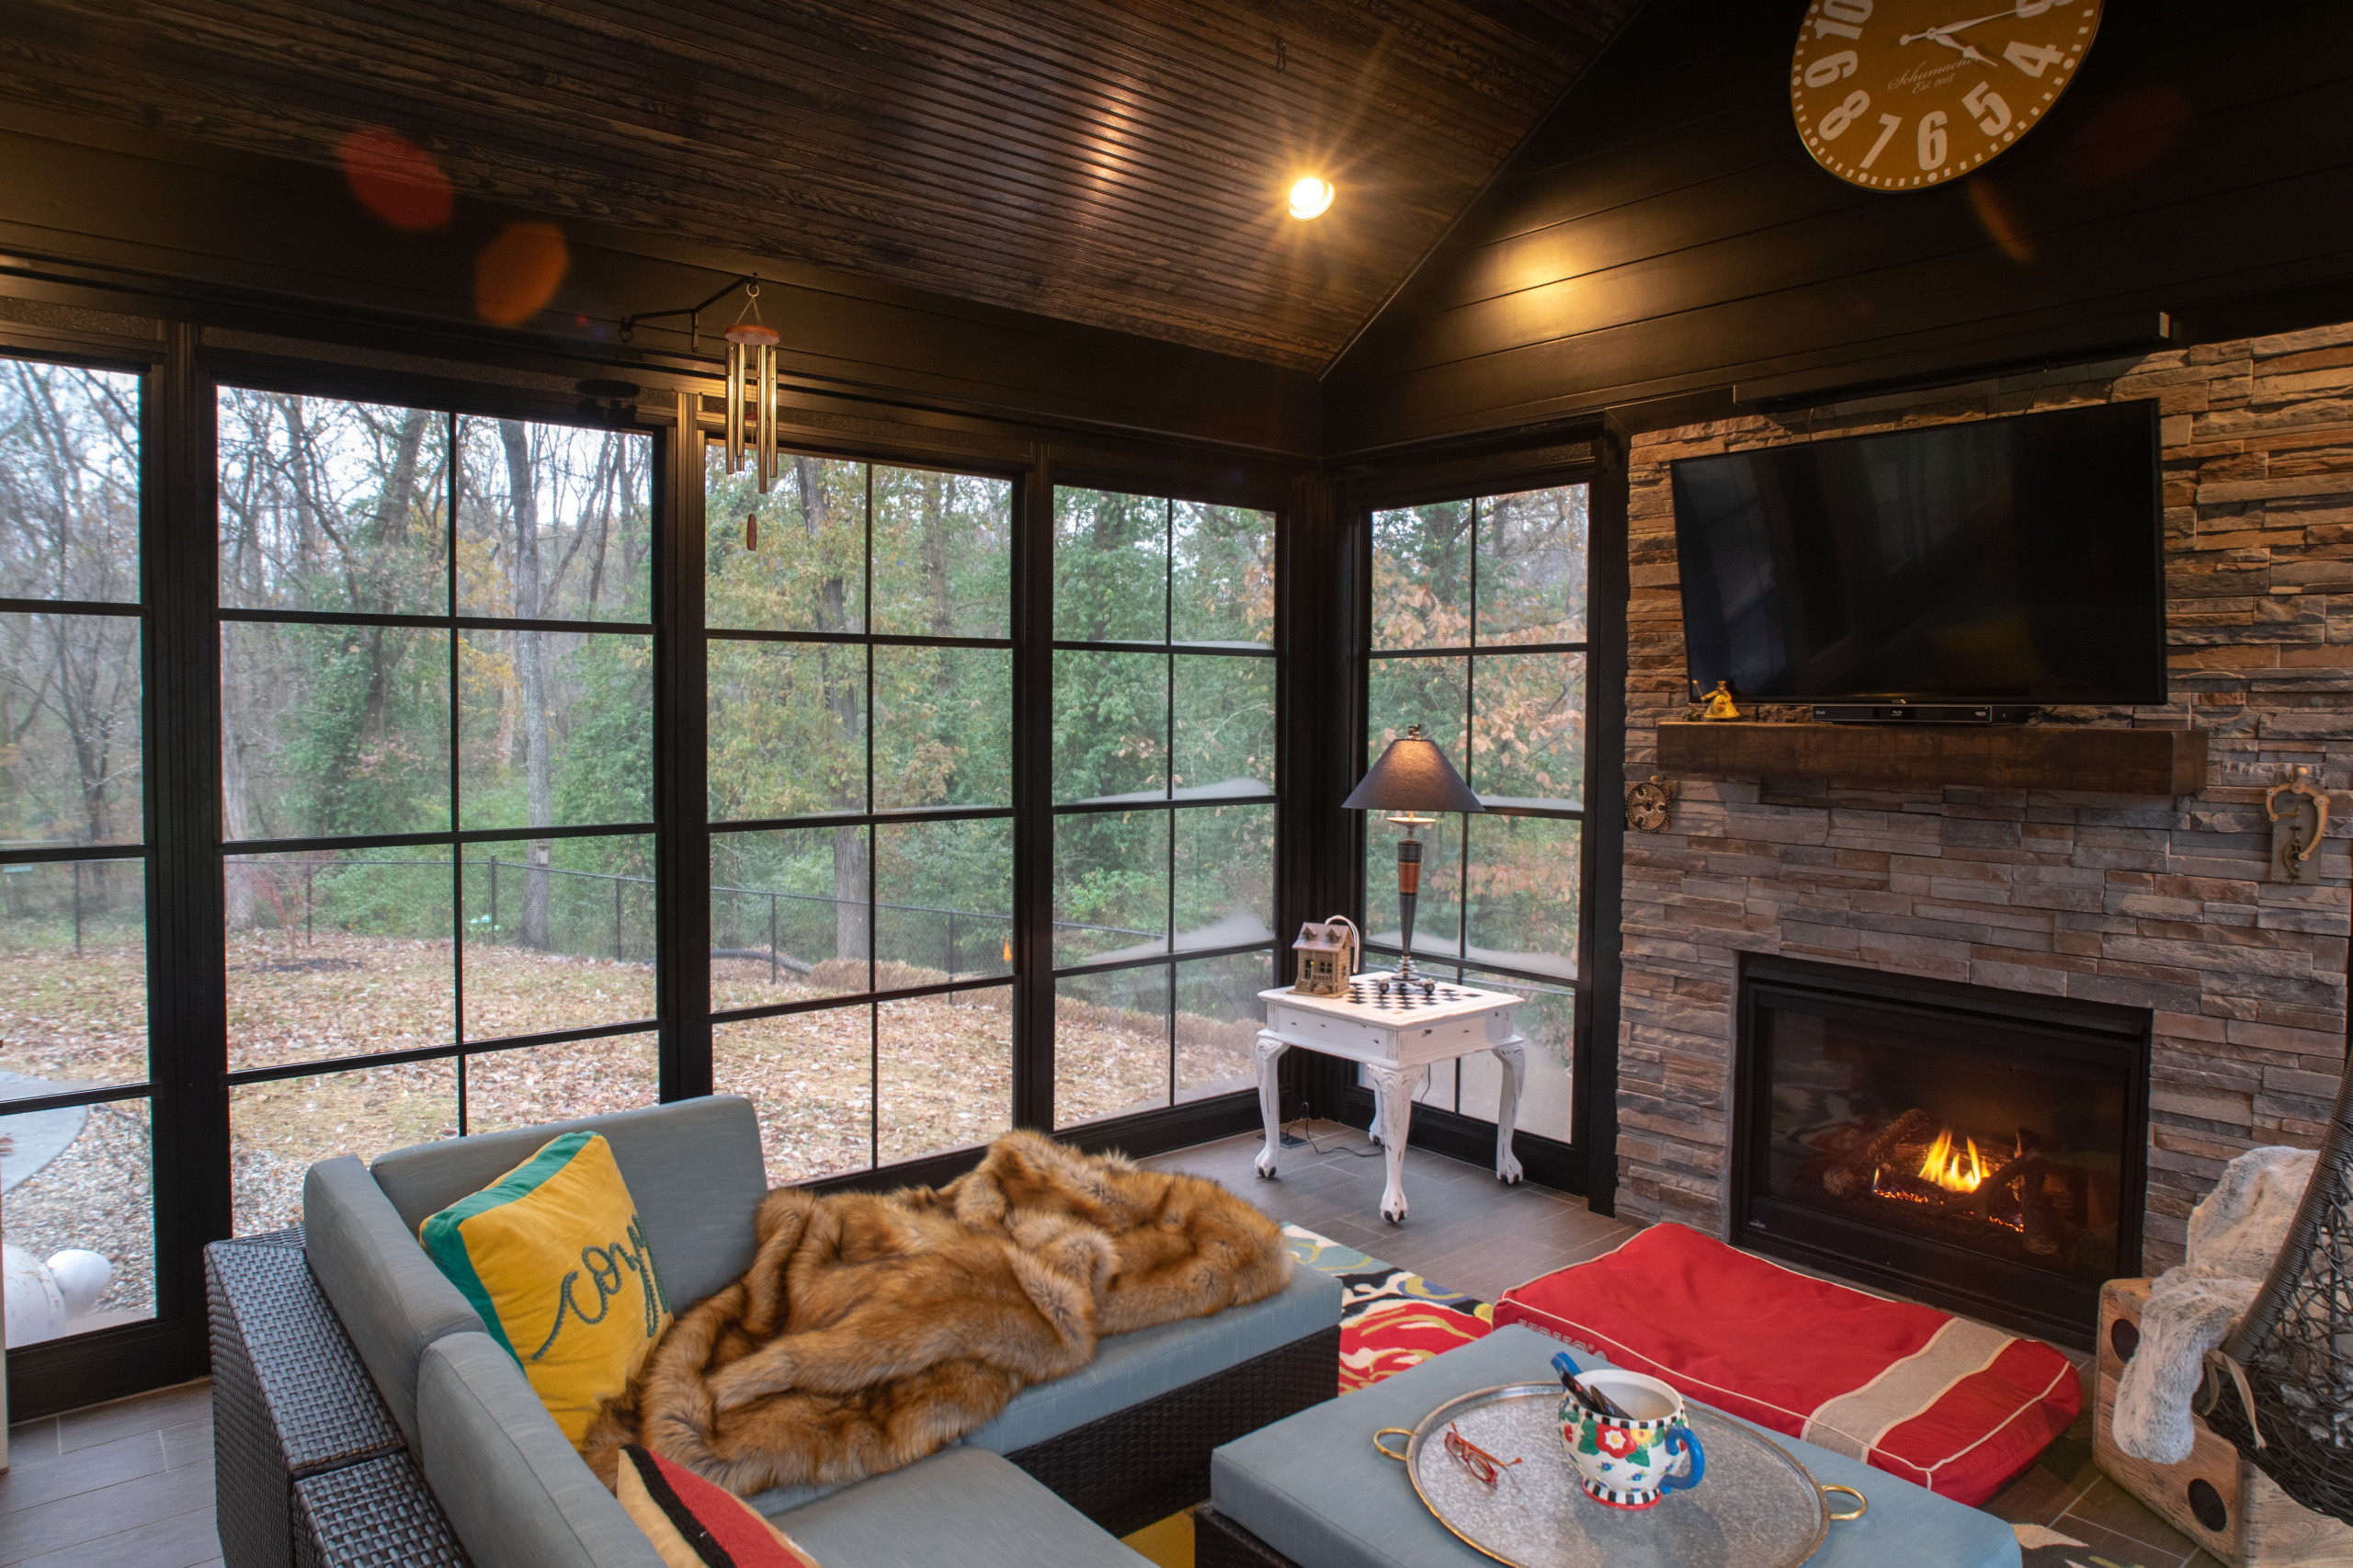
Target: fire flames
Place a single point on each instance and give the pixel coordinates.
(1953, 1169)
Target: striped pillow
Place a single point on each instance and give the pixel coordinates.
(695, 1523)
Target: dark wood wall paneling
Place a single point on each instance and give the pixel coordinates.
(1122, 162)
(1664, 232)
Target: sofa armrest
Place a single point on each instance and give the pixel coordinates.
(290, 1397)
(370, 1514)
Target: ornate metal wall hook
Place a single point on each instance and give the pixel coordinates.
(2299, 813)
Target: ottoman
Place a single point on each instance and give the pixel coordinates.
(1309, 1490)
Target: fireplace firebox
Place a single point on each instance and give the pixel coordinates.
(1980, 1149)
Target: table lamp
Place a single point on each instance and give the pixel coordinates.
(1411, 780)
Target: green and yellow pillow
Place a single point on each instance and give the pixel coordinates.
(552, 1258)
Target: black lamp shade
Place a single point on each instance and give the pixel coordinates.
(1412, 774)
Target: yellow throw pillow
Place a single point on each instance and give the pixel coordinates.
(552, 1258)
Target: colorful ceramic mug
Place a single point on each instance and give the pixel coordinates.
(1632, 1460)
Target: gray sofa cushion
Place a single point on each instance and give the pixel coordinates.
(693, 1166)
(392, 1301)
(964, 1508)
(1131, 1367)
(514, 1490)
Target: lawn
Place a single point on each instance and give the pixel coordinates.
(941, 1065)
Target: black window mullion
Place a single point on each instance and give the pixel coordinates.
(681, 761)
(873, 915)
(456, 805)
(1033, 829)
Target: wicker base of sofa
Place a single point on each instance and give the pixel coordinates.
(1219, 1542)
(1152, 1459)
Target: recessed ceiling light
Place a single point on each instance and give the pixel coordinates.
(1312, 197)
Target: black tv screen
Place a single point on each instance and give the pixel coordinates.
(2013, 560)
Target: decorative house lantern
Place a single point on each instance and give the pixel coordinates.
(1327, 957)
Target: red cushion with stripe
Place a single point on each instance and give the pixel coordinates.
(1944, 1402)
(695, 1523)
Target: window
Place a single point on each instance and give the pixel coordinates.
(859, 677)
(435, 757)
(1478, 635)
(1164, 792)
(75, 1156)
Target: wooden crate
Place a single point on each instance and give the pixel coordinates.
(2215, 1496)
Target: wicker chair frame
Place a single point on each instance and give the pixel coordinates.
(2283, 1389)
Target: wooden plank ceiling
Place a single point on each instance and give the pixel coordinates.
(1120, 163)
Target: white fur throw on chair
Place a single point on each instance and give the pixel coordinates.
(2233, 1236)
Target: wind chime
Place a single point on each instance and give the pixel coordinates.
(751, 371)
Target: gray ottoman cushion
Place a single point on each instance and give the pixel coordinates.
(392, 1301)
(963, 1507)
(1312, 1488)
(514, 1490)
(1131, 1367)
(693, 1166)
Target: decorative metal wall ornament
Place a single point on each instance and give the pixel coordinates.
(1649, 805)
(2297, 827)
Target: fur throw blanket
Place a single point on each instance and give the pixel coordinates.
(874, 1328)
(2235, 1234)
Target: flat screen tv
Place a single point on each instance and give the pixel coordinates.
(2015, 561)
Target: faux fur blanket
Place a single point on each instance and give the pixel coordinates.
(874, 1328)
(2235, 1234)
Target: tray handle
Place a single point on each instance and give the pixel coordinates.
(1386, 1451)
(1862, 1504)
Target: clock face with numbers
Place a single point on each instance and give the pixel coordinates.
(1899, 95)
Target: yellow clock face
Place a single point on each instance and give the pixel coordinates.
(1897, 95)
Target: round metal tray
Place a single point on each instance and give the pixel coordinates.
(1757, 1506)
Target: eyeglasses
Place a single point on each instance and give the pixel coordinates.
(1474, 1459)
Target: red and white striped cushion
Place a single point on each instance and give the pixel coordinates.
(1945, 1404)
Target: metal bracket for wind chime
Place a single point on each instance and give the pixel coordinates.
(751, 372)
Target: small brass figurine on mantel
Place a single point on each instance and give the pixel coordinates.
(2296, 827)
(1720, 702)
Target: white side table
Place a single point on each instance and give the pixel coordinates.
(1398, 1038)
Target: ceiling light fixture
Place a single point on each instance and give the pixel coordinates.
(1312, 196)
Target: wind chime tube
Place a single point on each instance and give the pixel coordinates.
(767, 417)
(735, 352)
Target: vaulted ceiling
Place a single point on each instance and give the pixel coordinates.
(1119, 163)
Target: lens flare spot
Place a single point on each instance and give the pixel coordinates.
(2004, 223)
(2128, 136)
(396, 179)
(518, 272)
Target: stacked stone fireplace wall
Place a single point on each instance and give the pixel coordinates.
(2160, 902)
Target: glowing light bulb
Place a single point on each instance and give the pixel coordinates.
(1312, 197)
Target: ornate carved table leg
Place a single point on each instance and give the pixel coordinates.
(1393, 1089)
(1513, 1054)
(1380, 1106)
(1271, 1108)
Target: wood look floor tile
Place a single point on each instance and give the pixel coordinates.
(179, 1541)
(86, 1469)
(32, 1442)
(2104, 1504)
(58, 1526)
(140, 1413)
(189, 1443)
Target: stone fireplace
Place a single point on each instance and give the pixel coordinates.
(2160, 906)
(1979, 1149)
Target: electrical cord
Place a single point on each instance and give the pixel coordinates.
(1372, 1152)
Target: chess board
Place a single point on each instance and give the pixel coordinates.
(1405, 1025)
(1367, 993)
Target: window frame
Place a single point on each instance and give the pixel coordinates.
(1586, 1163)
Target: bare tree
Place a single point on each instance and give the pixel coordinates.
(531, 675)
(845, 694)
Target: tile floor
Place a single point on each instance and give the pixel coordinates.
(121, 1486)
(129, 1484)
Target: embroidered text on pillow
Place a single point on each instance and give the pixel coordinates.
(604, 1266)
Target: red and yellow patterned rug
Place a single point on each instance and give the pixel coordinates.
(1390, 1318)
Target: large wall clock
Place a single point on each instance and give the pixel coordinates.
(1895, 95)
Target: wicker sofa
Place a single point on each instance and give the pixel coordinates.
(362, 1416)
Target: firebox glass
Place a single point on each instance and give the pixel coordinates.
(2016, 1155)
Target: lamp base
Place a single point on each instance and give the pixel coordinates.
(1406, 978)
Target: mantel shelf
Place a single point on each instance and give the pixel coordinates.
(1991, 757)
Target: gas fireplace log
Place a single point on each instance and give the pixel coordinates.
(2045, 1228)
(1852, 1172)
(1980, 1198)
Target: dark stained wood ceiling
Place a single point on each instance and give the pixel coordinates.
(1120, 163)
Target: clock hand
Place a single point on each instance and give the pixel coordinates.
(1938, 33)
